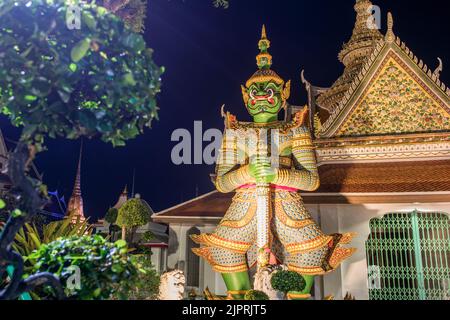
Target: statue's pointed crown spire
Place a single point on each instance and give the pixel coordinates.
(264, 59)
(264, 63)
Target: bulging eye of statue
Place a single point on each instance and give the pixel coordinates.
(270, 91)
(253, 93)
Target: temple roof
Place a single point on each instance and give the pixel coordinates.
(378, 177)
(355, 183)
(122, 198)
(394, 93)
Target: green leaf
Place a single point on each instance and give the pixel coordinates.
(80, 49)
(120, 243)
(89, 20)
(16, 213)
(129, 79)
(29, 97)
(73, 67)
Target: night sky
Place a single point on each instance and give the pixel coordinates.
(208, 53)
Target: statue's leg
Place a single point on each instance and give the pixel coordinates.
(294, 226)
(238, 281)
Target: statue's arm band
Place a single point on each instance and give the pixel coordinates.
(305, 175)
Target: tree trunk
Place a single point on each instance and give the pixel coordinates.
(124, 232)
(30, 197)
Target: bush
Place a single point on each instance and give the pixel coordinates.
(286, 281)
(255, 295)
(148, 236)
(145, 286)
(103, 265)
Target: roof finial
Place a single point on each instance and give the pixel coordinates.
(438, 70)
(264, 59)
(390, 36)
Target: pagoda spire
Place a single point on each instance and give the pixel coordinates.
(365, 35)
(76, 200)
(354, 53)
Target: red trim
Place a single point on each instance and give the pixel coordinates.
(273, 186)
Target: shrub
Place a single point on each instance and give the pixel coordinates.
(255, 295)
(286, 281)
(31, 238)
(145, 286)
(102, 265)
(148, 236)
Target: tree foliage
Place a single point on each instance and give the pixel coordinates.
(61, 80)
(286, 281)
(133, 213)
(111, 215)
(96, 80)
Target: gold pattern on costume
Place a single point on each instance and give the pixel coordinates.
(285, 219)
(213, 240)
(242, 222)
(309, 245)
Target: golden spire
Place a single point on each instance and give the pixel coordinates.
(75, 205)
(365, 34)
(390, 36)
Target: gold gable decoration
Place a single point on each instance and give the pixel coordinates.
(395, 103)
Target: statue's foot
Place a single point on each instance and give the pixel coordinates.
(236, 294)
(295, 295)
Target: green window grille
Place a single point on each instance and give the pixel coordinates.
(408, 256)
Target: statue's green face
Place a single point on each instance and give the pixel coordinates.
(264, 98)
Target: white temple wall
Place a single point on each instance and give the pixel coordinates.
(352, 275)
(176, 258)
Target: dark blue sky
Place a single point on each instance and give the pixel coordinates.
(208, 53)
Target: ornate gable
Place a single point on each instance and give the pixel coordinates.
(397, 100)
(394, 93)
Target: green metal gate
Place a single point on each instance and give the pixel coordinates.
(408, 256)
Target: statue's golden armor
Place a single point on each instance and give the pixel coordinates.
(295, 238)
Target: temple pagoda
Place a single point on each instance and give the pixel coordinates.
(75, 205)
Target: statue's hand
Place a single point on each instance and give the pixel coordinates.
(262, 170)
